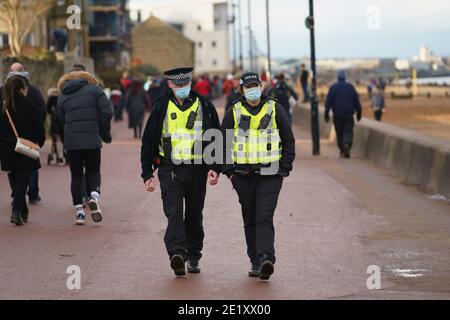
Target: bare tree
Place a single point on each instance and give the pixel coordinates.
(19, 17)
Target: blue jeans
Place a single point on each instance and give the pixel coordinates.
(305, 93)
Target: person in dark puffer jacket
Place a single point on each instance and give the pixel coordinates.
(85, 114)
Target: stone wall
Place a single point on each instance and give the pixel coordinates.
(43, 74)
(419, 159)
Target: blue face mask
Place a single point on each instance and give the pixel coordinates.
(183, 93)
(253, 94)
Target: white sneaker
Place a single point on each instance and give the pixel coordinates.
(96, 213)
(80, 219)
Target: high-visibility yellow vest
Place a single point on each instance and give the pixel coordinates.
(256, 146)
(186, 143)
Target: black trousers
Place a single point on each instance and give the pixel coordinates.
(87, 161)
(118, 111)
(183, 188)
(378, 115)
(258, 196)
(344, 131)
(33, 185)
(19, 180)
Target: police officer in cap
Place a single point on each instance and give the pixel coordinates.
(172, 143)
(259, 153)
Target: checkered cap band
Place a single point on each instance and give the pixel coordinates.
(180, 76)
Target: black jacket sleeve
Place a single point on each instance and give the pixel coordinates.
(50, 106)
(38, 124)
(227, 124)
(147, 148)
(356, 102)
(35, 95)
(287, 141)
(7, 138)
(61, 117)
(213, 122)
(106, 114)
(329, 103)
(292, 93)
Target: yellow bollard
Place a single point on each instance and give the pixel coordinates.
(414, 82)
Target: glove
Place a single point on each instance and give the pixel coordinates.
(358, 116)
(283, 173)
(327, 117)
(107, 138)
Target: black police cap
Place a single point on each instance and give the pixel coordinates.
(179, 76)
(249, 78)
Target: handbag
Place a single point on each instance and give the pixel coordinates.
(23, 146)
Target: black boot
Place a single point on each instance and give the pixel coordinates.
(177, 263)
(16, 218)
(254, 271)
(346, 152)
(24, 216)
(35, 200)
(266, 270)
(193, 266)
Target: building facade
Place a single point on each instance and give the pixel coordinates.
(109, 33)
(71, 42)
(160, 45)
(204, 22)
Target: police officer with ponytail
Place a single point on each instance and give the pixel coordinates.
(173, 144)
(260, 150)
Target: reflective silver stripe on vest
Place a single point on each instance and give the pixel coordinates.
(270, 127)
(269, 112)
(258, 139)
(198, 125)
(255, 157)
(197, 150)
(237, 108)
(166, 133)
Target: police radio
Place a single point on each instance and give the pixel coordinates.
(191, 119)
(265, 121)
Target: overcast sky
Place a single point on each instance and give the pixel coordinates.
(345, 28)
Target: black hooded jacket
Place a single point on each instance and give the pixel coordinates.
(285, 131)
(153, 130)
